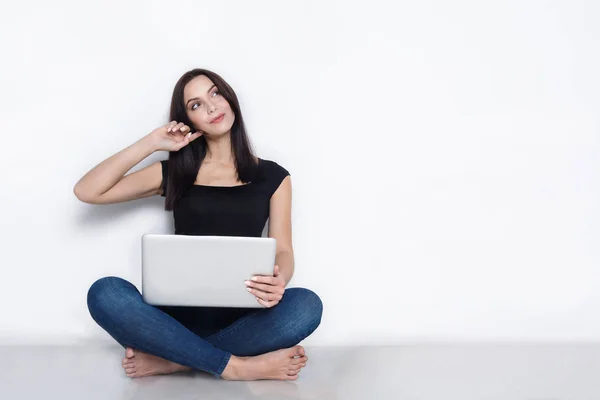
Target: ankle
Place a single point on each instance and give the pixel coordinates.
(233, 368)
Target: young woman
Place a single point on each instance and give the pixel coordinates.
(215, 185)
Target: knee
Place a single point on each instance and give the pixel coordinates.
(107, 294)
(308, 307)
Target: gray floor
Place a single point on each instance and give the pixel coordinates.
(440, 372)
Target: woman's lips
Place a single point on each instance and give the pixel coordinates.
(218, 119)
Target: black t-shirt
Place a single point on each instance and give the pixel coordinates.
(239, 210)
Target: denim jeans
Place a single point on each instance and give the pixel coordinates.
(203, 338)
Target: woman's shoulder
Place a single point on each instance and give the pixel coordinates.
(273, 174)
(273, 168)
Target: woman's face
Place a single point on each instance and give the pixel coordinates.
(204, 103)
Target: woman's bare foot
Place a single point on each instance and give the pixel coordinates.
(137, 364)
(284, 364)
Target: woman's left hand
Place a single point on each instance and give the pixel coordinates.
(267, 289)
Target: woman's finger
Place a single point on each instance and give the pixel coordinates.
(267, 304)
(269, 280)
(263, 295)
(170, 125)
(195, 136)
(176, 128)
(264, 287)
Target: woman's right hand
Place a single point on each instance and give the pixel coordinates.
(173, 136)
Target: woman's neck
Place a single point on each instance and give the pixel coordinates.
(219, 149)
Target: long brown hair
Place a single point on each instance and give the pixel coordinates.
(183, 165)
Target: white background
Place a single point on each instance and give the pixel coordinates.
(444, 156)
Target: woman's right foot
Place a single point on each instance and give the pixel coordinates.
(284, 364)
(138, 364)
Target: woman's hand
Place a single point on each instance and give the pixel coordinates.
(173, 136)
(267, 289)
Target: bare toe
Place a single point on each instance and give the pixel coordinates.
(299, 360)
(129, 352)
(298, 350)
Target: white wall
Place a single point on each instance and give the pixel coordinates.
(444, 156)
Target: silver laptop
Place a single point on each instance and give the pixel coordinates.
(205, 271)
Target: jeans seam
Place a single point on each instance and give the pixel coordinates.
(226, 359)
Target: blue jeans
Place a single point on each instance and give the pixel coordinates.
(202, 338)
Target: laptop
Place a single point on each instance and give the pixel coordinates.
(203, 271)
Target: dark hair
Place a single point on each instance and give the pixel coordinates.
(183, 165)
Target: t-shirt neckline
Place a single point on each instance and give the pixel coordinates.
(229, 187)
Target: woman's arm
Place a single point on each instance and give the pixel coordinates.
(280, 228)
(106, 184)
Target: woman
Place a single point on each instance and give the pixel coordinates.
(214, 185)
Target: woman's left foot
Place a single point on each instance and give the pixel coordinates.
(138, 364)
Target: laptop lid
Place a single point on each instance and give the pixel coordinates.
(204, 271)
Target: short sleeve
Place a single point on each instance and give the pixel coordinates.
(163, 185)
(276, 175)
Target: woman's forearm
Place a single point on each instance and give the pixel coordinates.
(285, 261)
(105, 175)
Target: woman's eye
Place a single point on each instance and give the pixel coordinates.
(198, 104)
